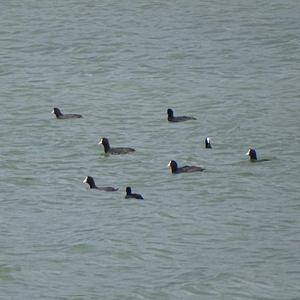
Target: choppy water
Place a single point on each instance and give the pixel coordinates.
(231, 232)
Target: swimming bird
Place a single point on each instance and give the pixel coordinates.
(185, 169)
(172, 118)
(90, 181)
(59, 115)
(119, 150)
(130, 195)
(253, 156)
(207, 143)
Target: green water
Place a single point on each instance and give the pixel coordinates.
(230, 232)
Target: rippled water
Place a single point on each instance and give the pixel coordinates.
(231, 232)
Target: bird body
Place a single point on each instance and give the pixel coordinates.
(130, 195)
(115, 151)
(90, 181)
(59, 115)
(253, 156)
(185, 169)
(172, 118)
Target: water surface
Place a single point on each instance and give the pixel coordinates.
(231, 232)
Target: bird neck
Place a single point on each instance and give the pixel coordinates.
(106, 147)
(174, 168)
(58, 113)
(92, 184)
